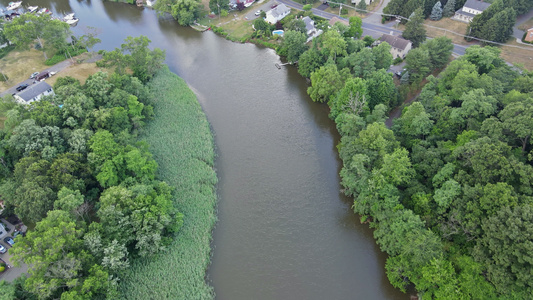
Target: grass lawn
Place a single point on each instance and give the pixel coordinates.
(518, 56)
(19, 65)
(182, 144)
(447, 27)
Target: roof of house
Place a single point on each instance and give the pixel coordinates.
(309, 23)
(279, 10)
(464, 13)
(530, 29)
(476, 4)
(336, 19)
(34, 90)
(395, 41)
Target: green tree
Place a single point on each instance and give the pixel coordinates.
(326, 82)
(517, 119)
(439, 50)
(309, 62)
(355, 30)
(382, 56)
(436, 12)
(217, 6)
(506, 250)
(449, 9)
(350, 99)
(186, 11)
(361, 6)
(333, 44)
(414, 29)
(294, 42)
(381, 89)
(418, 64)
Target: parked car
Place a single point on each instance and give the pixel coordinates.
(257, 13)
(274, 6)
(9, 240)
(2, 249)
(33, 75)
(42, 76)
(22, 87)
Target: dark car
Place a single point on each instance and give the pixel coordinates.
(9, 240)
(22, 87)
(274, 6)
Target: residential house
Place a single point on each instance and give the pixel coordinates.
(529, 35)
(309, 26)
(336, 19)
(34, 93)
(470, 10)
(276, 14)
(399, 46)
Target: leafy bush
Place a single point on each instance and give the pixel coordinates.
(4, 51)
(2, 269)
(397, 61)
(3, 77)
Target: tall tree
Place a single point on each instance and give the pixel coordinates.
(418, 64)
(414, 30)
(449, 9)
(326, 82)
(294, 42)
(382, 56)
(436, 12)
(439, 50)
(355, 31)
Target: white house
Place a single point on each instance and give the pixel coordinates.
(470, 10)
(276, 14)
(399, 46)
(309, 26)
(34, 93)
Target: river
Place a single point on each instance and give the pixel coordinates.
(285, 231)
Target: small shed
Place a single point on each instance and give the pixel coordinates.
(529, 35)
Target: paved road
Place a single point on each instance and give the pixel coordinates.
(517, 33)
(369, 25)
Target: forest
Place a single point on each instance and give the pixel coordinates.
(72, 167)
(448, 188)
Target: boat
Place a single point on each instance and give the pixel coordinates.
(72, 21)
(69, 17)
(13, 5)
(44, 10)
(32, 9)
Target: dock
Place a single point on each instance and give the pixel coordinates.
(199, 27)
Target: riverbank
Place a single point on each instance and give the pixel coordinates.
(182, 144)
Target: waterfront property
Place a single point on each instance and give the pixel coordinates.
(470, 10)
(34, 93)
(399, 46)
(277, 13)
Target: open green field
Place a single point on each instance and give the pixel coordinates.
(182, 144)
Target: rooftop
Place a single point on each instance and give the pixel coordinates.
(395, 41)
(279, 10)
(476, 4)
(34, 90)
(309, 23)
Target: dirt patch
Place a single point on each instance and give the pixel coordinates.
(449, 28)
(19, 65)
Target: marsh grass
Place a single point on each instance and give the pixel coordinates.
(182, 144)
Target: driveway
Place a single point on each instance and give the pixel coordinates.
(517, 33)
(259, 5)
(13, 272)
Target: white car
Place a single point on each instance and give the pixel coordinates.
(2, 249)
(257, 13)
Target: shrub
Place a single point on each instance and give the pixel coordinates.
(3, 77)
(60, 56)
(397, 61)
(2, 269)
(307, 7)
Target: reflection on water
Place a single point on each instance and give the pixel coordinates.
(285, 231)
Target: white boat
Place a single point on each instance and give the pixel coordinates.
(72, 22)
(32, 9)
(69, 17)
(13, 5)
(44, 10)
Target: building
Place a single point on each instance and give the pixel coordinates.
(276, 14)
(336, 19)
(309, 26)
(529, 35)
(399, 46)
(470, 10)
(34, 93)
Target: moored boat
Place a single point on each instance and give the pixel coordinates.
(72, 21)
(32, 9)
(69, 17)
(13, 5)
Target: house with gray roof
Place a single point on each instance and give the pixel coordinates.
(399, 46)
(34, 93)
(309, 26)
(277, 13)
(470, 10)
